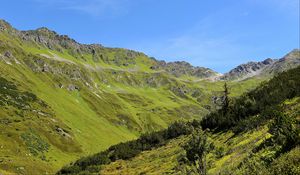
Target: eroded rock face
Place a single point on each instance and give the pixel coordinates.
(181, 68)
(8, 58)
(264, 68)
(63, 132)
(5, 26)
(248, 70)
(54, 41)
(72, 87)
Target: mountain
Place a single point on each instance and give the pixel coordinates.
(267, 67)
(61, 100)
(260, 136)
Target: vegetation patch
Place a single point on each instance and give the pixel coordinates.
(35, 144)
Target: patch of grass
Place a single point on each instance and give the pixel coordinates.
(35, 144)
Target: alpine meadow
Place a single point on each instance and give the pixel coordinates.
(68, 108)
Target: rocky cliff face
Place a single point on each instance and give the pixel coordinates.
(180, 68)
(249, 69)
(267, 67)
(291, 60)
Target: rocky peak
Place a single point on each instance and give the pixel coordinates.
(6, 27)
(267, 67)
(52, 40)
(248, 70)
(45, 31)
(180, 68)
(268, 61)
(294, 54)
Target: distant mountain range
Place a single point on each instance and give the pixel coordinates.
(53, 41)
(61, 100)
(267, 67)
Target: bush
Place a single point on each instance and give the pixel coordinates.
(196, 150)
(285, 130)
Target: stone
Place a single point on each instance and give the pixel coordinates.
(8, 54)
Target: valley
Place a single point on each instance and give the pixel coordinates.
(61, 100)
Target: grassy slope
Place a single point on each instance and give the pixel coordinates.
(164, 160)
(236, 149)
(118, 107)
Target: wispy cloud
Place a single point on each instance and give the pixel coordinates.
(90, 7)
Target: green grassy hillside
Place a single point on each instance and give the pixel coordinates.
(257, 133)
(232, 154)
(61, 100)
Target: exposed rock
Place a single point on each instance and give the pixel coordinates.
(46, 68)
(72, 87)
(63, 132)
(267, 67)
(8, 54)
(154, 67)
(180, 91)
(249, 69)
(6, 27)
(181, 68)
(268, 61)
(53, 41)
(8, 58)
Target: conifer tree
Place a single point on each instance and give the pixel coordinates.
(225, 100)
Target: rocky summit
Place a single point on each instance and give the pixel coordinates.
(264, 68)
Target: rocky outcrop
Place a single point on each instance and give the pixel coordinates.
(46, 38)
(8, 58)
(182, 68)
(51, 40)
(248, 70)
(267, 67)
(129, 59)
(289, 61)
(6, 27)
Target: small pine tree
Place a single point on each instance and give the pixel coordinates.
(225, 101)
(196, 150)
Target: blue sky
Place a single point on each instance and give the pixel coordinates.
(219, 34)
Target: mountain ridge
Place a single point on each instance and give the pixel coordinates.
(267, 66)
(74, 94)
(55, 41)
